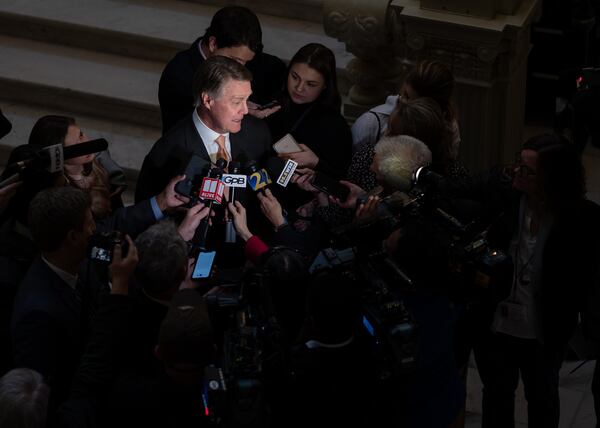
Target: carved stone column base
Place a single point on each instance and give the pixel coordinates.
(489, 60)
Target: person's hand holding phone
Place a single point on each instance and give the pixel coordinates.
(306, 158)
(169, 198)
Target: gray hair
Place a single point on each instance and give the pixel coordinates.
(23, 399)
(163, 258)
(398, 157)
(213, 73)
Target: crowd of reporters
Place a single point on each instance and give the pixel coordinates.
(106, 322)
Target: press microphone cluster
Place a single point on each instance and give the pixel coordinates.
(52, 158)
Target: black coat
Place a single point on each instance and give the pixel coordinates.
(48, 332)
(175, 87)
(170, 154)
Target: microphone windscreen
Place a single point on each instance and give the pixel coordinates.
(87, 148)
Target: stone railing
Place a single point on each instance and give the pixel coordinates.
(487, 53)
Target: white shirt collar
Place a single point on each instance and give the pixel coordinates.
(71, 280)
(209, 136)
(200, 49)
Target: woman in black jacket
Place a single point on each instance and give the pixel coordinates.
(311, 114)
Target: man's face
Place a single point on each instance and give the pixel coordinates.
(224, 113)
(241, 54)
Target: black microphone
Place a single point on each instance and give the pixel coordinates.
(201, 234)
(53, 157)
(425, 175)
(230, 235)
(87, 148)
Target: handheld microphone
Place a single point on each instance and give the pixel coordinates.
(52, 158)
(233, 179)
(212, 191)
(258, 179)
(87, 148)
(283, 170)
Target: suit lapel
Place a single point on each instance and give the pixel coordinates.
(193, 141)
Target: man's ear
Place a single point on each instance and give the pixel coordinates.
(212, 45)
(206, 100)
(157, 353)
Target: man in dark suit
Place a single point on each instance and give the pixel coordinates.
(49, 322)
(219, 127)
(234, 32)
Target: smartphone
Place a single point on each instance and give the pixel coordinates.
(196, 169)
(204, 263)
(330, 186)
(287, 144)
(268, 105)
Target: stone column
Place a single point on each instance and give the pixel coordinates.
(489, 59)
(363, 26)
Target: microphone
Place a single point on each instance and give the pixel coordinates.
(283, 170)
(424, 175)
(52, 158)
(211, 191)
(233, 179)
(258, 179)
(87, 148)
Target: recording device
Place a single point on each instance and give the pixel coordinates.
(258, 179)
(385, 318)
(195, 171)
(330, 186)
(211, 191)
(268, 105)
(52, 158)
(235, 180)
(101, 246)
(282, 169)
(203, 266)
(287, 144)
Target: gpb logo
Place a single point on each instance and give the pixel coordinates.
(234, 180)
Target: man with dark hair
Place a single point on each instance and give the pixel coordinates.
(48, 326)
(219, 127)
(234, 32)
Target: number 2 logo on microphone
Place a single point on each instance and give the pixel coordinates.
(258, 180)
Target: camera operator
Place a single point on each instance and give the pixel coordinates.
(50, 319)
(431, 396)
